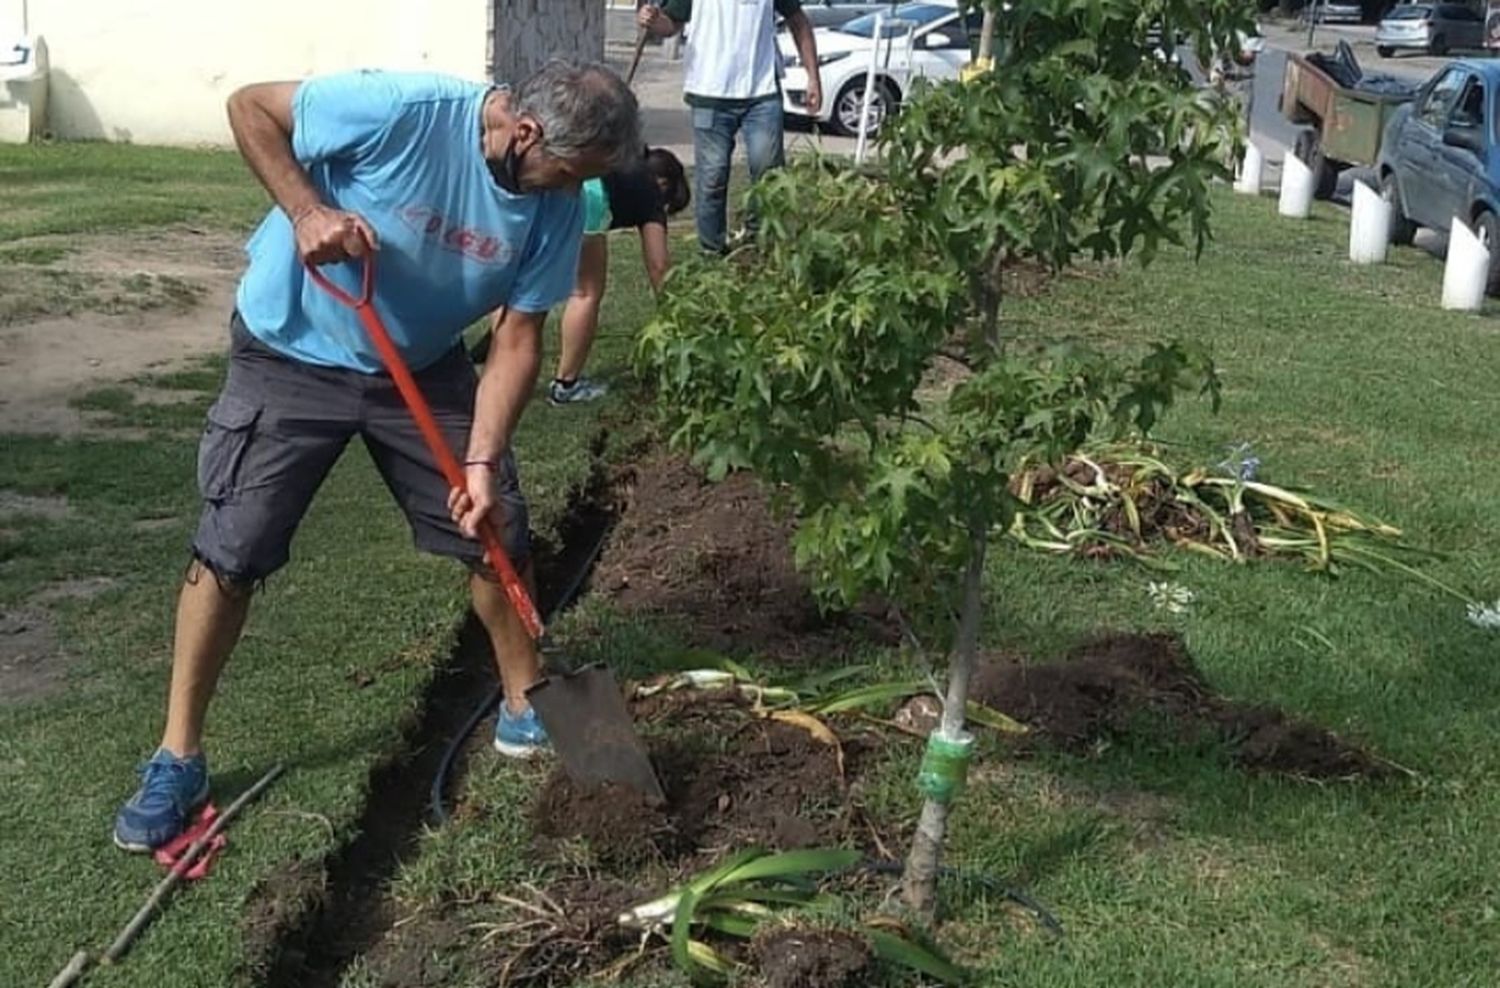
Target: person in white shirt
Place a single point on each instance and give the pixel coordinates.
(733, 87)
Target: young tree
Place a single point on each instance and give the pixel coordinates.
(802, 362)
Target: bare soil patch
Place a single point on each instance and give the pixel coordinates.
(278, 901)
(50, 508)
(1107, 686)
(731, 780)
(30, 664)
(715, 558)
(33, 663)
(80, 588)
(794, 957)
(113, 307)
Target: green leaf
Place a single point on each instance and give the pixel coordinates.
(715, 876)
(732, 924)
(898, 950)
(821, 681)
(738, 893)
(867, 696)
(790, 864)
(682, 925)
(708, 965)
(994, 719)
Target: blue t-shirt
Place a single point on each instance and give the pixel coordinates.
(403, 151)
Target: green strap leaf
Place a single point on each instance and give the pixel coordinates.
(898, 950)
(682, 925)
(791, 864)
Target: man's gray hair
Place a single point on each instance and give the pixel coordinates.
(583, 108)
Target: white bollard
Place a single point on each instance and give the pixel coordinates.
(1369, 226)
(1296, 188)
(1467, 270)
(1251, 167)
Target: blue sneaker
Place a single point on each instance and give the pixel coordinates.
(575, 392)
(520, 735)
(171, 789)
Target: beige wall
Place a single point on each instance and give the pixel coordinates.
(158, 71)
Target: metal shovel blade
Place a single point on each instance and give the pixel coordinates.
(585, 715)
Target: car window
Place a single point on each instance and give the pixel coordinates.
(952, 30)
(1407, 14)
(1439, 99)
(915, 13)
(1468, 110)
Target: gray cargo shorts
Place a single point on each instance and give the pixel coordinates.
(279, 426)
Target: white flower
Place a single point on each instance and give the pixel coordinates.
(1485, 615)
(1170, 596)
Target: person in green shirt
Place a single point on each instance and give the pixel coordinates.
(639, 197)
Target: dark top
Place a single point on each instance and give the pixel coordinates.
(634, 198)
(681, 11)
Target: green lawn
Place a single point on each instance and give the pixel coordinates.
(104, 188)
(339, 648)
(1168, 865)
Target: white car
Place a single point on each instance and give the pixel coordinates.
(930, 39)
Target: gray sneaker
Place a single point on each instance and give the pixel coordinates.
(577, 392)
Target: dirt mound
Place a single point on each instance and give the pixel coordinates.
(801, 958)
(1108, 685)
(751, 782)
(714, 556)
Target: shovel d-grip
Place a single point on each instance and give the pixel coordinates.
(411, 395)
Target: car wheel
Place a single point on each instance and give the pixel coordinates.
(1487, 229)
(1403, 230)
(850, 101)
(1439, 46)
(1384, 51)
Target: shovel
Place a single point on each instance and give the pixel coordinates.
(584, 712)
(585, 715)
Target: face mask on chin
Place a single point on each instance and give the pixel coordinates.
(507, 171)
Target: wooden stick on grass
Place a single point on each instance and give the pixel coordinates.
(70, 974)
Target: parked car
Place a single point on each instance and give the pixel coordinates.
(939, 47)
(1430, 27)
(832, 13)
(1334, 12)
(1440, 158)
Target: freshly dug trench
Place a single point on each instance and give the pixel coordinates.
(751, 781)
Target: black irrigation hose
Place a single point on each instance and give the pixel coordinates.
(440, 780)
(988, 882)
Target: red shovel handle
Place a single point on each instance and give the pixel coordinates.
(494, 552)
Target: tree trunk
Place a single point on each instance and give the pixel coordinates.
(987, 33)
(525, 34)
(994, 294)
(919, 883)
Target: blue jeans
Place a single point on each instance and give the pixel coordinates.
(714, 132)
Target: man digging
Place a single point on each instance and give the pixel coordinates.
(468, 195)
